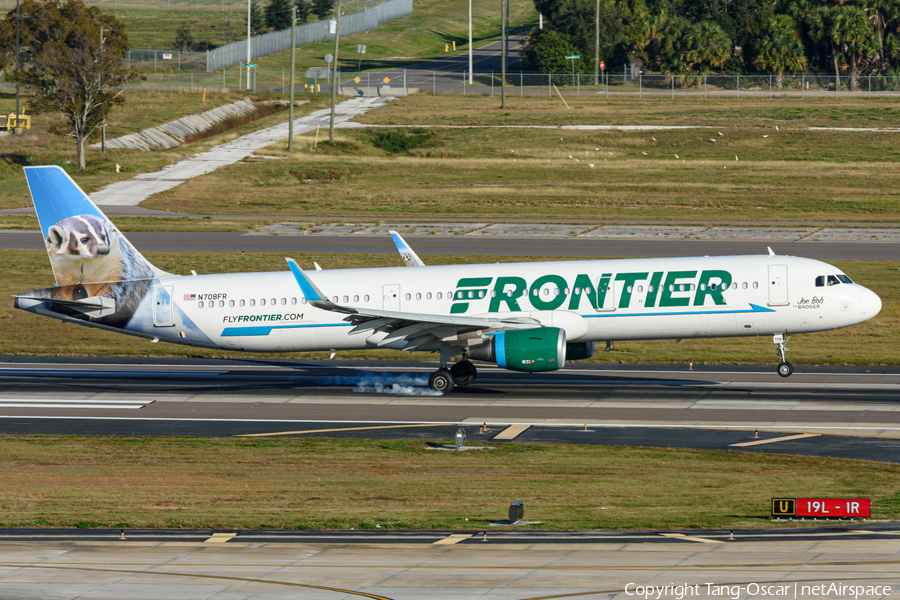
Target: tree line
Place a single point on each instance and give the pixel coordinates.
(693, 37)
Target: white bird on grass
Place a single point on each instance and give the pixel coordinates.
(720, 133)
(735, 157)
(676, 156)
(765, 136)
(645, 154)
(712, 140)
(776, 128)
(652, 138)
(591, 165)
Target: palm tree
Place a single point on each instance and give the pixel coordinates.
(823, 29)
(881, 12)
(853, 30)
(707, 46)
(781, 49)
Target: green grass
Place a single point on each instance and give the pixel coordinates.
(40, 146)
(787, 175)
(409, 40)
(342, 483)
(21, 333)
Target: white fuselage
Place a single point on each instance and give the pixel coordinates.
(599, 300)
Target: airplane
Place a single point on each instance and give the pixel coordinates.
(529, 317)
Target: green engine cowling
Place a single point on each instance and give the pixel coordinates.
(579, 350)
(529, 350)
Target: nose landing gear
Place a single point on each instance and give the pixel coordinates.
(784, 367)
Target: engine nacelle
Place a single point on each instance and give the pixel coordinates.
(579, 350)
(530, 350)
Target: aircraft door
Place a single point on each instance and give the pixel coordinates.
(391, 299)
(162, 306)
(778, 285)
(606, 294)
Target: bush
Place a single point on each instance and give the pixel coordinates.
(398, 141)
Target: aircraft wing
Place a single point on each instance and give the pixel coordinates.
(417, 329)
(410, 259)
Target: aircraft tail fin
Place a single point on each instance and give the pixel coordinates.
(83, 245)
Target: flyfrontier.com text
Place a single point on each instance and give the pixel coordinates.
(768, 590)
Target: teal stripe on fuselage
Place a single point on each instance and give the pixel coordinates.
(251, 331)
(756, 309)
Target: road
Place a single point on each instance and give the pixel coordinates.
(846, 412)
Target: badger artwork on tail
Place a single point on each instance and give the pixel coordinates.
(89, 255)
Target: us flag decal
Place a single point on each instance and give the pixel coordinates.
(190, 297)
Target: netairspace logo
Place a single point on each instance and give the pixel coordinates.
(386, 383)
(785, 589)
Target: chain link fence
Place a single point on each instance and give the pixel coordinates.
(399, 82)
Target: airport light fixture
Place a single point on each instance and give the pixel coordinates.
(597, 44)
(503, 56)
(334, 73)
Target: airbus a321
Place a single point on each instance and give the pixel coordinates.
(529, 317)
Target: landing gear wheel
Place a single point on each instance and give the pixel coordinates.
(463, 373)
(785, 369)
(441, 381)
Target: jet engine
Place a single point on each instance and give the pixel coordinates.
(530, 350)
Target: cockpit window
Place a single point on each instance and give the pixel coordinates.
(832, 280)
(820, 281)
(844, 279)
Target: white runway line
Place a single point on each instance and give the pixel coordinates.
(773, 440)
(56, 403)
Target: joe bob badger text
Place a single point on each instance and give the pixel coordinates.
(752, 590)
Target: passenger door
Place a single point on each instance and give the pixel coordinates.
(391, 299)
(162, 306)
(778, 285)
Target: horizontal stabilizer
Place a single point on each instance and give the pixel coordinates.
(96, 306)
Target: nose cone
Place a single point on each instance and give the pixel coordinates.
(869, 303)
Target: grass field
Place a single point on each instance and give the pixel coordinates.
(40, 146)
(342, 483)
(873, 342)
(751, 172)
(412, 39)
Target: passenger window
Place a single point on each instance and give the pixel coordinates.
(428, 295)
(671, 288)
(744, 285)
(221, 304)
(493, 294)
(702, 287)
(200, 304)
(640, 289)
(253, 303)
(481, 293)
(366, 297)
(832, 280)
(418, 295)
(471, 294)
(630, 289)
(712, 286)
(546, 291)
(283, 301)
(734, 286)
(438, 295)
(231, 303)
(263, 302)
(534, 292)
(755, 285)
(650, 288)
(334, 299)
(577, 291)
(273, 301)
(294, 300)
(356, 298)
(303, 300)
(556, 291)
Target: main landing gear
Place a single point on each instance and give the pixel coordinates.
(784, 367)
(461, 374)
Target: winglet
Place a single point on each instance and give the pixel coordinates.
(312, 293)
(770, 251)
(309, 289)
(410, 259)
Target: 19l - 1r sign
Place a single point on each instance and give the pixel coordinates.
(827, 508)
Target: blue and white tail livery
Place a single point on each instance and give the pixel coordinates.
(522, 316)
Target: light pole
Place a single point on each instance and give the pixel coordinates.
(17, 62)
(248, 45)
(334, 73)
(291, 98)
(470, 42)
(502, 58)
(597, 44)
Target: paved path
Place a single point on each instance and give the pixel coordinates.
(134, 191)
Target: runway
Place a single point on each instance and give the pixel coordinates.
(841, 412)
(467, 565)
(187, 241)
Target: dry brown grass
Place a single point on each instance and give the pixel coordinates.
(343, 483)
